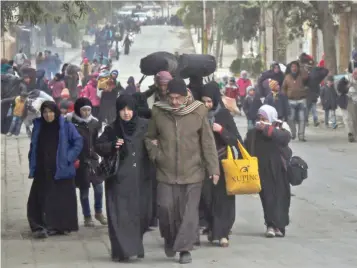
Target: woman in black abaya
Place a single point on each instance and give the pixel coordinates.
(219, 207)
(128, 192)
(55, 146)
(267, 141)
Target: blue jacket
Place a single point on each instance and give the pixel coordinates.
(69, 147)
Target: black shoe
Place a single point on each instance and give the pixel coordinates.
(40, 234)
(55, 232)
(124, 259)
(141, 256)
(316, 124)
(169, 252)
(185, 257)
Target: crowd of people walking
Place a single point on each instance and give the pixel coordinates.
(161, 166)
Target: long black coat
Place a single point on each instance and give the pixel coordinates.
(128, 193)
(88, 158)
(329, 98)
(218, 207)
(267, 146)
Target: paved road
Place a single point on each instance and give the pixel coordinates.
(323, 225)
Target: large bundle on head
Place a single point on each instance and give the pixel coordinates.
(196, 65)
(157, 62)
(105, 82)
(72, 69)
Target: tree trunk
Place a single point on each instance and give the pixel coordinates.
(264, 47)
(48, 35)
(221, 56)
(281, 37)
(218, 41)
(344, 41)
(328, 33)
(239, 47)
(314, 44)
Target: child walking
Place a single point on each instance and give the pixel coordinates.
(329, 98)
(278, 100)
(251, 105)
(88, 127)
(18, 113)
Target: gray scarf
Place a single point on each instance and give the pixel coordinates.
(212, 114)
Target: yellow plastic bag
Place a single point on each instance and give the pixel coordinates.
(241, 175)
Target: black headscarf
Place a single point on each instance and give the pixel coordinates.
(81, 102)
(53, 107)
(128, 127)
(48, 140)
(212, 91)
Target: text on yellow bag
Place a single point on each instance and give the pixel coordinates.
(241, 175)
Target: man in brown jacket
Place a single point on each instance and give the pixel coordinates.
(181, 144)
(294, 87)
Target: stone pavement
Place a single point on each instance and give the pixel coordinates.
(322, 233)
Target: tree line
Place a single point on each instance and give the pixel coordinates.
(235, 22)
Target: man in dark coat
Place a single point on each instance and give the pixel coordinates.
(316, 76)
(275, 74)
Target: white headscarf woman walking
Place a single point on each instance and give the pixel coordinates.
(266, 141)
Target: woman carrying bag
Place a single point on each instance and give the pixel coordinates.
(267, 141)
(219, 207)
(128, 187)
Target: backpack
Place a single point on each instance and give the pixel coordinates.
(297, 170)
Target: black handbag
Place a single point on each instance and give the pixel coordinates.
(297, 170)
(108, 167)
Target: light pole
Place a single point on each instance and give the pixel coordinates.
(204, 35)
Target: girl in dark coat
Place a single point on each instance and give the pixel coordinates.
(220, 208)
(329, 101)
(55, 146)
(128, 192)
(131, 88)
(88, 126)
(267, 142)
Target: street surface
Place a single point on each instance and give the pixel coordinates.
(322, 233)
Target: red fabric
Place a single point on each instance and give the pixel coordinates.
(270, 131)
(90, 92)
(71, 107)
(243, 84)
(232, 92)
(56, 87)
(220, 132)
(321, 63)
(76, 164)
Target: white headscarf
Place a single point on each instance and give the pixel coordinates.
(269, 113)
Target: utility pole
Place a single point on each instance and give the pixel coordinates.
(111, 11)
(204, 35)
